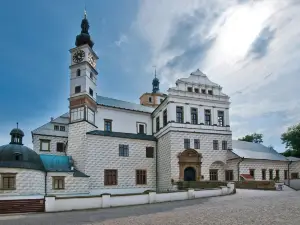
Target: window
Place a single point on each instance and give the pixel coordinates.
(165, 117)
(91, 92)
(78, 73)
(110, 177)
(91, 75)
(213, 174)
(58, 183)
(60, 147)
(150, 99)
(294, 176)
(44, 145)
(18, 156)
(229, 175)
(56, 127)
(196, 143)
(62, 128)
(77, 89)
(77, 114)
(190, 89)
(221, 118)
(207, 117)
(224, 145)
(196, 90)
(277, 174)
(157, 124)
(210, 92)
(8, 181)
(149, 152)
(263, 174)
(270, 174)
(91, 115)
(252, 173)
(107, 125)
(215, 145)
(141, 177)
(161, 100)
(141, 128)
(179, 114)
(194, 116)
(285, 174)
(186, 143)
(124, 150)
(203, 91)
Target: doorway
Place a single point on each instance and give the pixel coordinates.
(189, 174)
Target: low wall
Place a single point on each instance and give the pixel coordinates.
(259, 185)
(183, 185)
(55, 204)
(295, 184)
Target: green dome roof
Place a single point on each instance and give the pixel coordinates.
(17, 131)
(19, 156)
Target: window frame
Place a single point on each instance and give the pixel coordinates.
(150, 152)
(45, 141)
(186, 143)
(123, 150)
(207, 114)
(140, 125)
(294, 175)
(179, 114)
(277, 172)
(78, 73)
(190, 89)
(63, 146)
(221, 115)
(224, 145)
(194, 115)
(229, 176)
(140, 177)
(77, 89)
(196, 143)
(106, 122)
(252, 173)
(286, 174)
(62, 128)
(91, 92)
(8, 176)
(108, 178)
(56, 127)
(60, 182)
(271, 173)
(165, 117)
(215, 145)
(203, 91)
(264, 174)
(150, 99)
(196, 90)
(213, 173)
(210, 92)
(157, 123)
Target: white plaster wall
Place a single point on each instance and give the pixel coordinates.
(232, 165)
(77, 143)
(123, 120)
(258, 165)
(209, 155)
(73, 185)
(53, 141)
(295, 167)
(28, 182)
(129, 200)
(103, 153)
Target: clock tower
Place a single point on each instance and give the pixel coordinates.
(83, 79)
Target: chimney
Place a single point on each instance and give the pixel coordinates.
(51, 119)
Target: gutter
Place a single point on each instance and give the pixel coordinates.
(289, 179)
(238, 167)
(46, 183)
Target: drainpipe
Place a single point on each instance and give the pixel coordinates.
(156, 171)
(45, 183)
(289, 180)
(238, 167)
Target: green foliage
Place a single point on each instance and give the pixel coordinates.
(291, 139)
(255, 138)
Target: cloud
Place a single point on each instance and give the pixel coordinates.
(251, 48)
(123, 39)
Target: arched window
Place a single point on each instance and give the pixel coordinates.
(18, 156)
(78, 72)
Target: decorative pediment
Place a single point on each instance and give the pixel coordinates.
(189, 156)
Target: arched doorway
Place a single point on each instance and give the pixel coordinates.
(189, 165)
(189, 174)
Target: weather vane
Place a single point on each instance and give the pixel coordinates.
(154, 71)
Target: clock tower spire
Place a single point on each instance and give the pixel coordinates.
(83, 79)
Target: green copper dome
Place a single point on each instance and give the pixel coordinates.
(16, 155)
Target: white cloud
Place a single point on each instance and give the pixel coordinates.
(123, 39)
(258, 86)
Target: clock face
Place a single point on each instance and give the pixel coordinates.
(92, 60)
(78, 56)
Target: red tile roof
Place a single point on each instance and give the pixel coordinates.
(247, 176)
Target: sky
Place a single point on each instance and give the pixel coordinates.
(251, 48)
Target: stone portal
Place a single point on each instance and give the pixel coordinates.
(189, 165)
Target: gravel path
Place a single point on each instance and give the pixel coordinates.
(247, 207)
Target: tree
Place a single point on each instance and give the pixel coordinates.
(255, 138)
(291, 139)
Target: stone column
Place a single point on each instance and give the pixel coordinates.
(187, 113)
(227, 121)
(201, 114)
(171, 110)
(214, 116)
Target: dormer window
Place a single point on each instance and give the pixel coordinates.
(203, 91)
(196, 90)
(190, 89)
(210, 92)
(18, 156)
(78, 72)
(62, 128)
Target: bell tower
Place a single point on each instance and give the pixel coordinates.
(83, 77)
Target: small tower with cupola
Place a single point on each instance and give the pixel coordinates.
(83, 98)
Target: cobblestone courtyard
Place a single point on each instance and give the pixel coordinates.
(245, 208)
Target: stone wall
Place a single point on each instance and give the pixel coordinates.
(73, 185)
(295, 167)
(53, 141)
(28, 182)
(102, 153)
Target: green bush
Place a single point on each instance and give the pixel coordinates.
(260, 185)
(183, 185)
